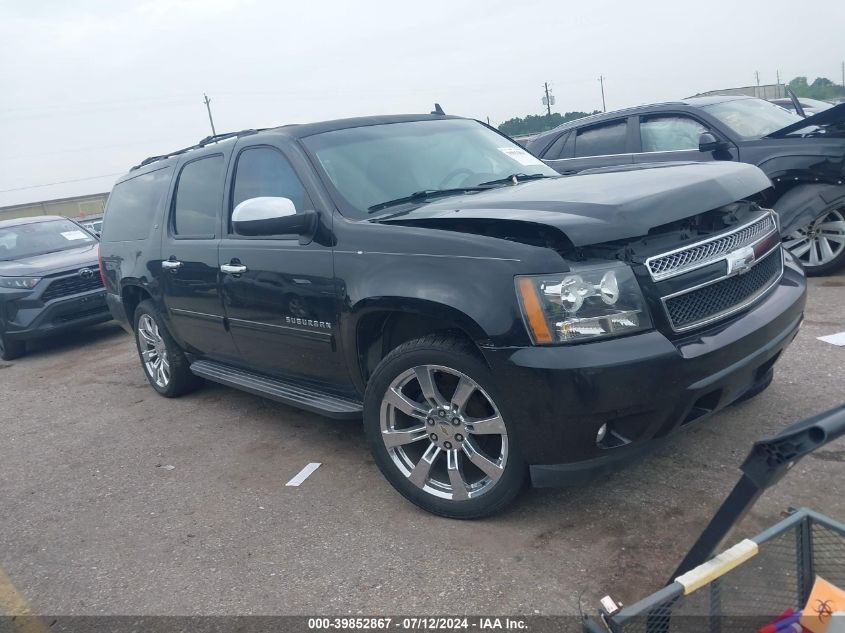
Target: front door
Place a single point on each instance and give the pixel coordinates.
(281, 307)
(189, 267)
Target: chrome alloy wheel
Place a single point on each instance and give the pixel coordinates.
(451, 446)
(819, 242)
(153, 351)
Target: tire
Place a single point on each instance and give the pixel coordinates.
(820, 246)
(11, 349)
(757, 389)
(163, 362)
(471, 451)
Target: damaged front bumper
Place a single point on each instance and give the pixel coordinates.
(642, 387)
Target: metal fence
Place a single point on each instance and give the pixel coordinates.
(780, 576)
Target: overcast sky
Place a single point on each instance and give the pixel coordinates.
(90, 88)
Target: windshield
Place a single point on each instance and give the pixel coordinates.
(38, 238)
(752, 118)
(371, 165)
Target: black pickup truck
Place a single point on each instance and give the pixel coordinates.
(490, 320)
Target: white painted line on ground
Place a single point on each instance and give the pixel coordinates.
(834, 339)
(303, 474)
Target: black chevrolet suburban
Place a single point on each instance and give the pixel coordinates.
(490, 320)
(49, 281)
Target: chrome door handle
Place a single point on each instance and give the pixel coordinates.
(233, 269)
(171, 264)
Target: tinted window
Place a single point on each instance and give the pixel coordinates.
(198, 198)
(598, 141)
(263, 171)
(133, 206)
(669, 133)
(560, 148)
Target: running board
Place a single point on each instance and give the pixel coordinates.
(300, 396)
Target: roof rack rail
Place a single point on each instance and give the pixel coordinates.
(208, 140)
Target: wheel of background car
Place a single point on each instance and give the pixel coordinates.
(820, 246)
(437, 432)
(165, 365)
(10, 349)
(454, 174)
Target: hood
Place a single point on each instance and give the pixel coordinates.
(831, 116)
(605, 205)
(49, 263)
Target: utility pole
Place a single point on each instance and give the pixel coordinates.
(757, 74)
(548, 100)
(603, 106)
(777, 74)
(207, 102)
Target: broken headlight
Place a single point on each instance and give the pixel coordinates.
(584, 304)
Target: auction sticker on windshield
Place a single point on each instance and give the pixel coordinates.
(75, 235)
(520, 156)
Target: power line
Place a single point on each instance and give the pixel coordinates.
(60, 182)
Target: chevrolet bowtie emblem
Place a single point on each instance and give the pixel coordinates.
(740, 260)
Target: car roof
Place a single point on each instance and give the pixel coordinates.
(4, 224)
(291, 131)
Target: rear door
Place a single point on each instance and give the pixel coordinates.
(673, 136)
(602, 145)
(190, 243)
(282, 308)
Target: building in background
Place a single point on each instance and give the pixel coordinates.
(769, 91)
(88, 207)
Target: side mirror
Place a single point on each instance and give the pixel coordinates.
(272, 216)
(707, 142)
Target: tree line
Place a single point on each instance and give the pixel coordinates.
(821, 88)
(536, 123)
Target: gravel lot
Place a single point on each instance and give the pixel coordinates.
(91, 525)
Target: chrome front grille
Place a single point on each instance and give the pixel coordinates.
(706, 252)
(719, 299)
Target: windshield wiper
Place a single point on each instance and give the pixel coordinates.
(425, 194)
(515, 179)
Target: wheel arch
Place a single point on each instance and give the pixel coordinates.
(799, 204)
(381, 325)
(131, 296)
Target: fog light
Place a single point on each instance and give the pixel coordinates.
(602, 432)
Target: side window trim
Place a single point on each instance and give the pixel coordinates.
(171, 216)
(230, 193)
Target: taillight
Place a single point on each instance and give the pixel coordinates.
(102, 268)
